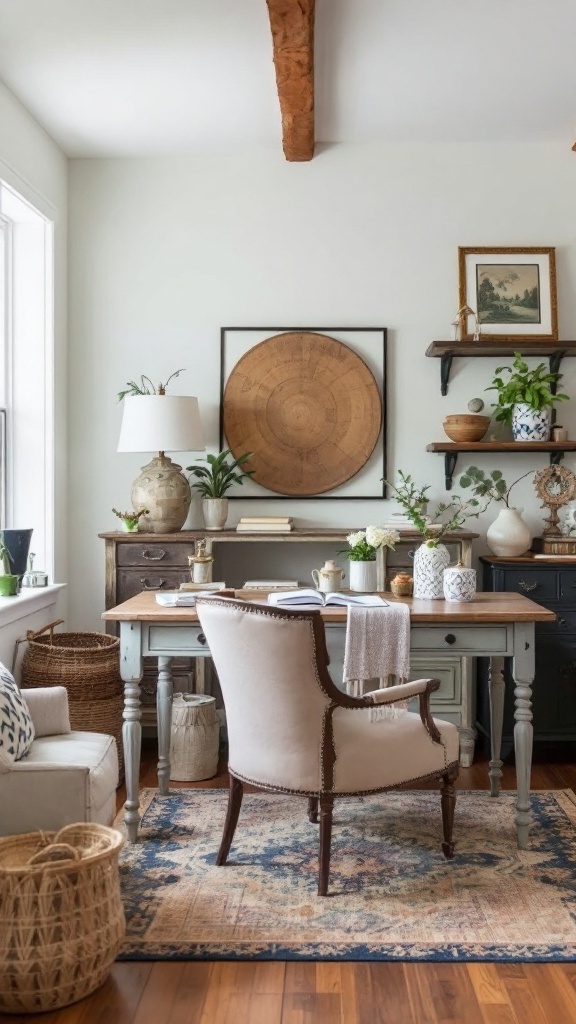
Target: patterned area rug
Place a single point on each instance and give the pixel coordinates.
(393, 896)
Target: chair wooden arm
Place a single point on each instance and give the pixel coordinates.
(421, 688)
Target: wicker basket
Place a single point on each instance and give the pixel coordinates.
(61, 915)
(87, 664)
(195, 738)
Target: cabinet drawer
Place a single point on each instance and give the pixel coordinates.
(460, 639)
(538, 585)
(448, 672)
(134, 581)
(568, 584)
(167, 640)
(148, 554)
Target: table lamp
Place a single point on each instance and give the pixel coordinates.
(161, 423)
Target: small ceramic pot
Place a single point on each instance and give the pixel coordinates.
(363, 577)
(402, 584)
(459, 583)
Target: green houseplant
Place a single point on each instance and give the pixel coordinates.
(8, 581)
(130, 520)
(525, 398)
(214, 480)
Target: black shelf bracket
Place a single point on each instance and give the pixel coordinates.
(450, 459)
(445, 367)
(556, 458)
(555, 363)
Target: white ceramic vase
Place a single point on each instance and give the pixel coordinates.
(530, 424)
(429, 564)
(508, 535)
(215, 513)
(363, 577)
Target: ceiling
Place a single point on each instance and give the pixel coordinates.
(144, 77)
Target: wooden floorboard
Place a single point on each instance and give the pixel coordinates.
(336, 993)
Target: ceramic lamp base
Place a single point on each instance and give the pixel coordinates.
(164, 490)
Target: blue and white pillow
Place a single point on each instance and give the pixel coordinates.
(16, 725)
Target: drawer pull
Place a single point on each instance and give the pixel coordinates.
(201, 638)
(450, 638)
(154, 555)
(152, 585)
(527, 587)
(561, 621)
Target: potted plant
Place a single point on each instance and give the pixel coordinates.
(432, 557)
(526, 398)
(130, 520)
(8, 581)
(508, 535)
(361, 551)
(214, 480)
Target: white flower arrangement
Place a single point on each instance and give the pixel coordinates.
(363, 544)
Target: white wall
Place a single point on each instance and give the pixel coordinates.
(165, 251)
(36, 168)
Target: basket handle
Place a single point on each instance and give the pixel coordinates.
(30, 635)
(56, 853)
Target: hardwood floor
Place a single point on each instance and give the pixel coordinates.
(343, 993)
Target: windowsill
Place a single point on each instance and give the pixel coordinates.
(30, 599)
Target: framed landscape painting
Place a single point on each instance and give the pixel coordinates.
(512, 290)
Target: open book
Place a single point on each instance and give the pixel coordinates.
(313, 598)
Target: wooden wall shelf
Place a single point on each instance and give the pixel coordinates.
(446, 350)
(450, 450)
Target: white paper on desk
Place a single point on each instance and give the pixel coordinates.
(179, 599)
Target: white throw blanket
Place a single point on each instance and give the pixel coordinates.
(378, 647)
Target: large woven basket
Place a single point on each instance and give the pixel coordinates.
(61, 916)
(88, 665)
(195, 737)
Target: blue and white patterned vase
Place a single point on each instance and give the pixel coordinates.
(459, 583)
(530, 424)
(429, 564)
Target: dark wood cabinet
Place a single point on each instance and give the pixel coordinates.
(551, 583)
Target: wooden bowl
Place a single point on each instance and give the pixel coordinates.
(466, 426)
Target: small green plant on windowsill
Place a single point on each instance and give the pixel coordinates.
(8, 581)
(491, 486)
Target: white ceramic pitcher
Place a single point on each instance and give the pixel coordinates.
(328, 578)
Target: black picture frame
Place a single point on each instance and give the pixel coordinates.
(370, 482)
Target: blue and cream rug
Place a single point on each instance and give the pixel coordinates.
(393, 896)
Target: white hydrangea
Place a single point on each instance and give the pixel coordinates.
(379, 536)
(356, 538)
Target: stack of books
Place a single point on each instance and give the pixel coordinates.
(265, 524)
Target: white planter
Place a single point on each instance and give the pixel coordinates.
(508, 535)
(459, 583)
(363, 577)
(530, 424)
(429, 565)
(215, 512)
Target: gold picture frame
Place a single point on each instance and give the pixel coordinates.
(512, 290)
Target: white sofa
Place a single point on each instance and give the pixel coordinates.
(66, 776)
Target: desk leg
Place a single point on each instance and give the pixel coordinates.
(523, 672)
(164, 693)
(131, 672)
(496, 686)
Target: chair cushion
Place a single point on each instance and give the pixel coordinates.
(16, 726)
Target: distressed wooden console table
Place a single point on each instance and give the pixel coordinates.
(493, 625)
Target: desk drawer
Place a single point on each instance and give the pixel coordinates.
(166, 640)
(134, 581)
(153, 555)
(460, 639)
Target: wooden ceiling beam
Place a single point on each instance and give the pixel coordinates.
(292, 24)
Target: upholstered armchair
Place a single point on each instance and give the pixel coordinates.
(290, 729)
(64, 777)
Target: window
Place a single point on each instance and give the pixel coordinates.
(26, 373)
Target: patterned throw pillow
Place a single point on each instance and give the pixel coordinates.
(16, 725)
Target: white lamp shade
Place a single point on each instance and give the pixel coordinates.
(161, 423)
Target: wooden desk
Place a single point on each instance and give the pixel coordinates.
(493, 625)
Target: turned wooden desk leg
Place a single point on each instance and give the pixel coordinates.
(496, 686)
(523, 671)
(164, 693)
(131, 672)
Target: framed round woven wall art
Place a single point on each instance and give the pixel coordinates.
(308, 406)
